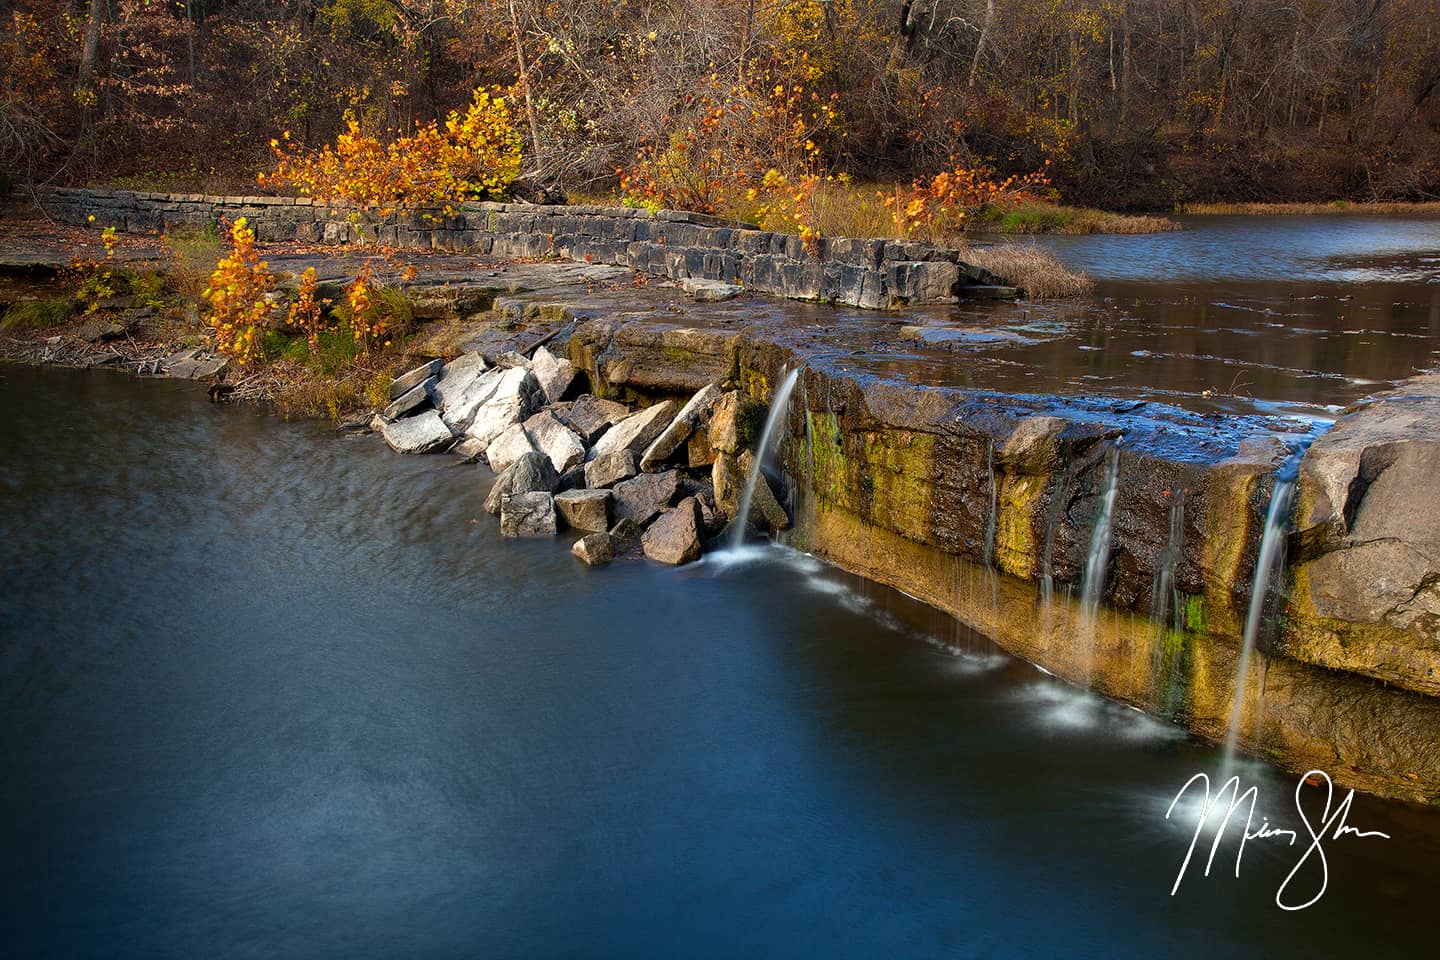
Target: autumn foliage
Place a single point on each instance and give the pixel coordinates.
(944, 205)
(471, 155)
(238, 294)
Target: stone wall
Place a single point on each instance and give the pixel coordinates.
(873, 274)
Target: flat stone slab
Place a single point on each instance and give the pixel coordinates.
(637, 431)
(418, 434)
(516, 395)
(406, 382)
(414, 397)
(557, 441)
(193, 365)
(508, 447)
(709, 291)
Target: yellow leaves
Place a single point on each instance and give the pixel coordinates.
(237, 296)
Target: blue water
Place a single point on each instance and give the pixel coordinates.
(269, 692)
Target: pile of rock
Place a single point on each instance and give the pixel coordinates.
(664, 479)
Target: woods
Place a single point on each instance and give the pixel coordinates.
(1126, 104)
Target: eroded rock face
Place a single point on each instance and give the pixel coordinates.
(1367, 595)
(674, 537)
(527, 515)
(419, 434)
(531, 473)
(636, 432)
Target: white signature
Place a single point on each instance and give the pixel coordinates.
(1332, 826)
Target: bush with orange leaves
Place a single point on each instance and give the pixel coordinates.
(745, 149)
(472, 155)
(950, 200)
(238, 294)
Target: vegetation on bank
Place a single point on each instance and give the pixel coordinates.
(1372, 208)
(1125, 106)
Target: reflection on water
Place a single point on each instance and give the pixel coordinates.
(268, 692)
(1234, 314)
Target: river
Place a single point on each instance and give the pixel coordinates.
(269, 691)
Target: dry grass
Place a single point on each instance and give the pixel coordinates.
(1381, 208)
(1035, 271)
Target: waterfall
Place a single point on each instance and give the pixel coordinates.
(1165, 601)
(990, 518)
(778, 405)
(1098, 559)
(1272, 541)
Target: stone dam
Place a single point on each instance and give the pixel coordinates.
(986, 504)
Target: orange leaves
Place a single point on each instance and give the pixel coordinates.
(307, 312)
(470, 155)
(941, 206)
(747, 149)
(238, 297)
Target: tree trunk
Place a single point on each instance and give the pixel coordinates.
(90, 52)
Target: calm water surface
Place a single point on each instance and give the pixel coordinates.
(266, 692)
(1295, 315)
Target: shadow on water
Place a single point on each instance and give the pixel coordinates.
(265, 691)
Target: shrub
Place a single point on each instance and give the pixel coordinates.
(240, 308)
(472, 155)
(36, 314)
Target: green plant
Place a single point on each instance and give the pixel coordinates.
(37, 314)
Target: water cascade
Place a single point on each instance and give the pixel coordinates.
(1097, 561)
(1166, 612)
(778, 405)
(990, 518)
(1272, 541)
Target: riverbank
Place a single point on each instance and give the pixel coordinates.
(1375, 208)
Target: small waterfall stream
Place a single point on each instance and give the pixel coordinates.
(990, 518)
(778, 406)
(1270, 557)
(1097, 561)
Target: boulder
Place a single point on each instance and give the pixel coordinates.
(725, 423)
(527, 515)
(642, 497)
(610, 469)
(589, 416)
(468, 450)
(516, 395)
(406, 382)
(193, 365)
(699, 452)
(554, 375)
(410, 399)
(557, 441)
(419, 434)
(507, 448)
(679, 430)
(729, 477)
(625, 535)
(531, 473)
(585, 509)
(455, 376)
(675, 536)
(709, 291)
(595, 549)
(459, 401)
(637, 431)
